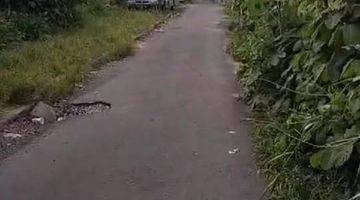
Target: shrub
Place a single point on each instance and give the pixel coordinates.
(58, 12)
(24, 20)
(300, 68)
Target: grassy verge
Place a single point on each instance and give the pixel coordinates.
(48, 69)
(287, 171)
(299, 68)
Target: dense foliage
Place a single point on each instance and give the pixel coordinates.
(60, 12)
(300, 66)
(30, 19)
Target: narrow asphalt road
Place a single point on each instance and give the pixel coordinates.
(167, 137)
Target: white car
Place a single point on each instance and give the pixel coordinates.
(142, 3)
(164, 4)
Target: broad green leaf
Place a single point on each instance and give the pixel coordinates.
(338, 102)
(332, 21)
(336, 64)
(321, 160)
(318, 70)
(297, 46)
(352, 69)
(322, 33)
(351, 34)
(338, 128)
(329, 158)
(336, 39)
(354, 105)
(275, 60)
(317, 46)
(352, 132)
(334, 157)
(296, 61)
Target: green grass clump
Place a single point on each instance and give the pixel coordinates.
(48, 69)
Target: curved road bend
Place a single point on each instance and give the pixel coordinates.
(166, 137)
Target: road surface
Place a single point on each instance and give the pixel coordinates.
(167, 137)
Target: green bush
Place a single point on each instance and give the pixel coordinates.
(25, 20)
(58, 12)
(31, 28)
(300, 66)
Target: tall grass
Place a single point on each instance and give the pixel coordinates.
(49, 69)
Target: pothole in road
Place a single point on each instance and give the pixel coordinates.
(80, 109)
(20, 130)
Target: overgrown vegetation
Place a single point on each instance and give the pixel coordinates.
(300, 70)
(30, 19)
(47, 66)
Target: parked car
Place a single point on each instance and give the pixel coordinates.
(163, 4)
(142, 3)
(168, 4)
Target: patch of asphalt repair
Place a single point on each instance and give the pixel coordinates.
(24, 128)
